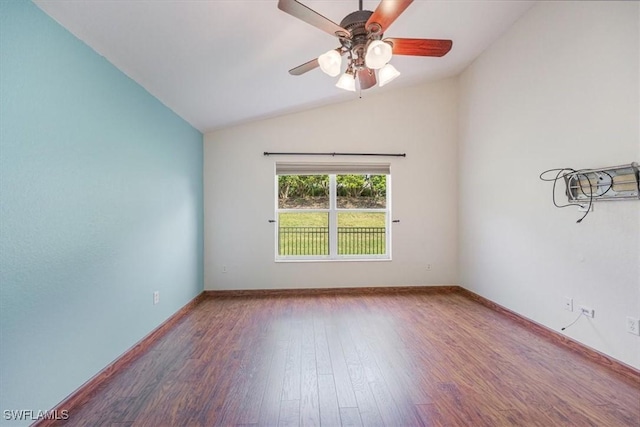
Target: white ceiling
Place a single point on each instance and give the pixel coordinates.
(221, 62)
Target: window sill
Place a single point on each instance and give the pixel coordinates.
(295, 260)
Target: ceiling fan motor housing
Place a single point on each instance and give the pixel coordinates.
(355, 23)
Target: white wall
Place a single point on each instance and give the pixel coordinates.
(239, 190)
(559, 89)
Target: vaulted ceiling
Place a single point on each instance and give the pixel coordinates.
(218, 63)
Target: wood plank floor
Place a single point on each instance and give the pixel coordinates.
(403, 359)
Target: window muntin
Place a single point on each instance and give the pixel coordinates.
(333, 216)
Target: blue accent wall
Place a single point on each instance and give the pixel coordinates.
(100, 205)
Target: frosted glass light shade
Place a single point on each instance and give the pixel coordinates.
(387, 74)
(378, 54)
(347, 82)
(330, 62)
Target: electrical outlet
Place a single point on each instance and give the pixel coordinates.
(224, 268)
(156, 297)
(568, 304)
(633, 325)
(428, 267)
(589, 312)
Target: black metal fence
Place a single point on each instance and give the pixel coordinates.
(361, 240)
(315, 240)
(303, 240)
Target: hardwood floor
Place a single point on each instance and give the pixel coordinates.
(398, 359)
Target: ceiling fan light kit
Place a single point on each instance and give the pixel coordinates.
(347, 81)
(330, 62)
(378, 54)
(387, 74)
(360, 34)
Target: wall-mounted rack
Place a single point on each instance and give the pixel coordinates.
(610, 183)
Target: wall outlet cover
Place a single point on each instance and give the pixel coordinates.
(568, 304)
(633, 325)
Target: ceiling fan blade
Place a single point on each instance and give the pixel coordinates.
(367, 78)
(420, 47)
(307, 66)
(310, 16)
(387, 12)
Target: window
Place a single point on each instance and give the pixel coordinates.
(329, 211)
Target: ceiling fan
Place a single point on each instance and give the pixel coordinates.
(360, 34)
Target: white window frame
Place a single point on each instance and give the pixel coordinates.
(333, 212)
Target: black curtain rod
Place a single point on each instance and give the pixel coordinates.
(267, 153)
